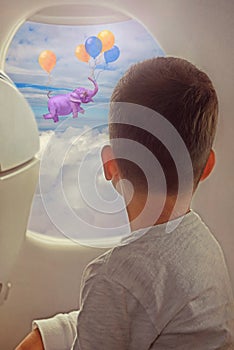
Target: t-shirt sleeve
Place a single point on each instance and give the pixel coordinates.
(111, 318)
(58, 332)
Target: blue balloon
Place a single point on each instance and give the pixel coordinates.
(93, 46)
(112, 54)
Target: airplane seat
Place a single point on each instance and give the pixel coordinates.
(19, 142)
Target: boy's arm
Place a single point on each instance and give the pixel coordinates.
(31, 341)
(56, 333)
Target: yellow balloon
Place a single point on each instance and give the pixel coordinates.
(47, 60)
(107, 38)
(81, 53)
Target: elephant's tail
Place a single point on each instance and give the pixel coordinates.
(48, 94)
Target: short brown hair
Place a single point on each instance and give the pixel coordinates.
(182, 94)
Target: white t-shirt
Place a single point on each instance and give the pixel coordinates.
(156, 290)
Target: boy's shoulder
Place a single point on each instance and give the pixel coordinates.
(156, 239)
(153, 254)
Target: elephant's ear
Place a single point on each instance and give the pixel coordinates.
(73, 98)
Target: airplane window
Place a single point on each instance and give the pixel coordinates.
(67, 74)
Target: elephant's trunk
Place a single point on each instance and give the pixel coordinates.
(95, 86)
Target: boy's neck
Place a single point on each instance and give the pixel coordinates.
(150, 210)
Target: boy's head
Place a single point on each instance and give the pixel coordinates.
(179, 92)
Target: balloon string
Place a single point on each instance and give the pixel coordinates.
(101, 71)
(92, 73)
(49, 82)
(92, 70)
(49, 79)
(98, 74)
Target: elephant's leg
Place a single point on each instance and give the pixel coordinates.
(50, 116)
(53, 113)
(75, 108)
(47, 116)
(56, 118)
(81, 110)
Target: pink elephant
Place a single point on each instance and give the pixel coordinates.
(64, 104)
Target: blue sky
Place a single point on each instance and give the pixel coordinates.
(134, 42)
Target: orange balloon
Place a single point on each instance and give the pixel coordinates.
(81, 53)
(107, 38)
(47, 60)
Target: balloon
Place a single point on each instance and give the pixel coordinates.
(93, 46)
(81, 53)
(112, 54)
(47, 60)
(107, 38)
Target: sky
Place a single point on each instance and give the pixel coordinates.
(134, 42)
(73, 199)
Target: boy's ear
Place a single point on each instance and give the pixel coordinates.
(110, 167)
(209, 166)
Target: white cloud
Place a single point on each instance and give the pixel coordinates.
(11, 69)
(75, 200)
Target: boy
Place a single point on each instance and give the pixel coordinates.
(167, 285)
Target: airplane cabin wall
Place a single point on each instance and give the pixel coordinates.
(200, 31)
